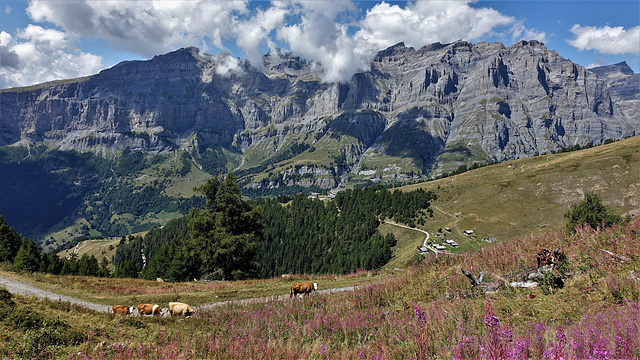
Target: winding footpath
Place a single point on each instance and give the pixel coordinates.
(424, 243)
(20, 288)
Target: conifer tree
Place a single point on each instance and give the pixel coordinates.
(223, 235)
(54, 264)
(28, 257)
(9, 241)
(126, 269)
(88, 265)
(591, 211)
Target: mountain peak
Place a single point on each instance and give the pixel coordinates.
(180, 54)
(621, 68)
(394, 50)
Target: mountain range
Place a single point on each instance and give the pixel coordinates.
(416, 112)
(414, 115)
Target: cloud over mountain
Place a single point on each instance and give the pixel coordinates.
(339, 36)
(37, 54)
(607, 39)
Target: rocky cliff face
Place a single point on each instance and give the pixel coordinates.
(624, 87)
(415, 111)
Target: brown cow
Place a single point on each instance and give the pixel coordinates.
(177, 308)
(304, 288)
(123, 309)
(149, 309)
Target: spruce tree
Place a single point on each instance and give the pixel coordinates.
(28, 257)
(224, 234)
(9, 241)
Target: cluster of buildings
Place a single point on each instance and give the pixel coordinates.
(451, 243)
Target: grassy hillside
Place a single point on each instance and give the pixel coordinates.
(426, 311)
(98, 248)
(430, 310)
(504, 202)
(508, 202)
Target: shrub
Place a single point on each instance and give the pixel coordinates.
(591, 211)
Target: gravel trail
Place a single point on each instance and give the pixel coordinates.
(17, 287)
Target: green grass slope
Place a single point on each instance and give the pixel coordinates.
(508, 202)
(429, 311)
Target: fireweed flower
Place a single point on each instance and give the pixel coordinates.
(507, 335)
(561, 338)
(491, 321)
(420, 314)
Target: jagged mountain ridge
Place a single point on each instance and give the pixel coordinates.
(414, 111)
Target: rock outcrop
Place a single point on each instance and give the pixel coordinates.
(624, 87)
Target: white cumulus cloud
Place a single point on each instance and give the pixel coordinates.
(606, 39)
(520, 32)
(426, 22)
(339, 39)
(38, 55)
(141, 26)
(253, 33)
(228, 65)
(319, 37)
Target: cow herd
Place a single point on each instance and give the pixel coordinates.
(175, 308)
(178, 308)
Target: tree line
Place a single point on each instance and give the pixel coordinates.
(340, 236)
(234, 239)
(230, 238)
(25, 255)
(287, 234)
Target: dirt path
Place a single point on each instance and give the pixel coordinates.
(271, 298)
(17, 287)
(424, 243)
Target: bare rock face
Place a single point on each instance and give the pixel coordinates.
(438, 105)
(624, 87)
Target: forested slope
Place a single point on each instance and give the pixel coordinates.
(302, 236)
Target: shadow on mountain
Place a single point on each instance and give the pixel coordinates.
(365, 126)
(411, 136)
(31, 192)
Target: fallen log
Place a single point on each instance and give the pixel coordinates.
(475, 281)
(622, 258)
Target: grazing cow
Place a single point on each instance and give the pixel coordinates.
(149, 309)
(304, 288)
(177, 308)
(123, 309)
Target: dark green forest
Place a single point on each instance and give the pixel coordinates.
(339, 236)
(296, 235)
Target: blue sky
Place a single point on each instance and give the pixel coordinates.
(44, 40)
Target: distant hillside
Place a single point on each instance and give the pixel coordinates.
(55, 196)
(507, 202)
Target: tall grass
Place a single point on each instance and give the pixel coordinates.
(431, 311)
